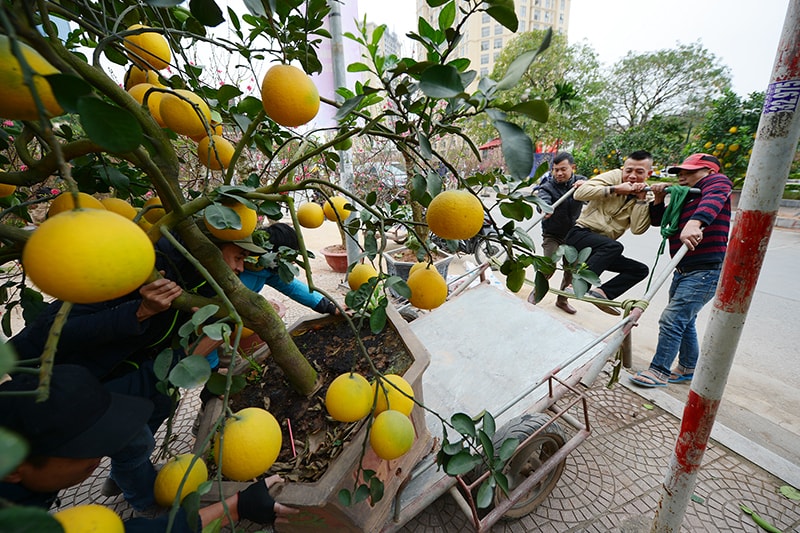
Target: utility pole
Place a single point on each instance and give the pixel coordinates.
(774, 149)
(340, 80)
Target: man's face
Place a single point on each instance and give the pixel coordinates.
(688, 178)
(55, 473)
(637, 171)
(234, 256)
(563, 171)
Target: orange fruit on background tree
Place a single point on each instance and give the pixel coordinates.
(184, 112)
(334, 208)
(389, 397)
(310, 215)
(428, 288)
(248, 220)
(89, 518)
(171, 475)
(391, 435)
(65, 202)
(349, 397)
(360, 275)
(289, 96)
(216, 155)
(152, 215)
(455, 215)
(148, 50)
(250, 444)
(88, 256)
(16, 100)
(120, 207)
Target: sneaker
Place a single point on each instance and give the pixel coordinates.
(110, 488)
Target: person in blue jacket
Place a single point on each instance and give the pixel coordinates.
(80, 423)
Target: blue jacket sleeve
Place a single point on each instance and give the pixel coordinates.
(296, 289)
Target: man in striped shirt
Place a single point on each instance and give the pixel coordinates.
(704, 224)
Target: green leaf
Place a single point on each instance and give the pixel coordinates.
(222, 217)
(485, 493)
(361, 494)
(461, 463)
(503, 12)
(517, 149)
(375, 490)
(204, 313)
(68, 90)
(489, 425)
(447, 16)
(518, 211)
(441, 81)
(348, 107)
(424, 145)
(163, 363)
(217, 331)
(20, 519)
(486, 443)
(190, 372)
(13, 450)
(8, 358)
(790, 492)
(648, 406)
(540, 287)
(344, 497)
(113, 128)
(32, 303)
(463, 424)
(507, 449)
(515, 280)
(538, 110)
(377, 320)
(207, 12)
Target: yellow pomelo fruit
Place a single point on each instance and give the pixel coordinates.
(251, 443)
(391, 398)
(216, 129)
(246, 332)
(134, 76)
(16, 100)
(349, 398)
(171, 474)
(455, 214)
(289, 96)
(148, 50)
(89, 518)
(733, 129)
(417, 266)
(144, 224)
(360, 275)
(185, 117)
(65, 202)
(335, 205)
(217, 156)
(391, 435)
(248, 217)
(88, 256)
(119, 206)
(310, 215)
(6, 189)
(152, 215)
(151, 95)
(428, 288)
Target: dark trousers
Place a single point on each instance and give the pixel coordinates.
(550, 244)
(607, 255)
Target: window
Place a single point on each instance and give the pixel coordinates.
(485, 31)
(498, 29)
(547, 4)
(536, 15)
(523, 25)
(484, 46)
(496, 56)
(484, 59)
(563, 5)
(547, 16)
(484, 72)
(523, 12)
(498, 43)
(561, 18)
(485, 18)
(537, 2)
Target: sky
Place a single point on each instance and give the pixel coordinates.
(743, 39)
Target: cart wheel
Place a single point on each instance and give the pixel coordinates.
(528, 458)
(485, 250)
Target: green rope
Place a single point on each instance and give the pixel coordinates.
(670, 221)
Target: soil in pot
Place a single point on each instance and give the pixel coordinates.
(317, 439)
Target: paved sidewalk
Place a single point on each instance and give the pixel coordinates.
(612, 482)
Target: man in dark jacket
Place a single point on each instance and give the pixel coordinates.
(555, 225)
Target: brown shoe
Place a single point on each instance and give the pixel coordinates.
(604, 308)
(563, 304)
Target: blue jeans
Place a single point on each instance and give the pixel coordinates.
(133, 472)
(677, 334)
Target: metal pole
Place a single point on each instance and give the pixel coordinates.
(340, 80)
(775, 147)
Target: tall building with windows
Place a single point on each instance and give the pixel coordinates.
(484, 38)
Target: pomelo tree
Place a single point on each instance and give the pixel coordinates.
(93, 132)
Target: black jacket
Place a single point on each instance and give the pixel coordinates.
(565, 215)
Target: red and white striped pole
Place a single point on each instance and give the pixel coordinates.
(774, 149)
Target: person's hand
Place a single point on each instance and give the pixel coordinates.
(578, 184)
(257, 505)
(157, 296)
(691, 234)
(659, 191)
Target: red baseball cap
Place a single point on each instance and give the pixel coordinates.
(696, 162)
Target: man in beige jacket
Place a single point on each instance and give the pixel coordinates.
(617, 201)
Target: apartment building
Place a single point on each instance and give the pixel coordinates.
(484, 38)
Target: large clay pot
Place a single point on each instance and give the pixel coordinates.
(320, 509)
(336, 257)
